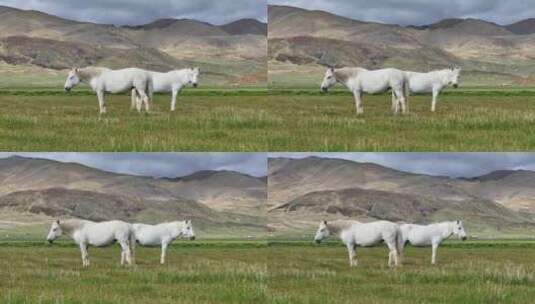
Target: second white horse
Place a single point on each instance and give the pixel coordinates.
(432, 82)
(163, 234)
(432, 235)
(172, 81)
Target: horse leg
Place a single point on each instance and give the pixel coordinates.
(434, 101)
(85, 254)
(393, 253)
(139, 103)
(133, 99)
(164, 249)
(434, 253)
(101, 102)
(125, 253)
(358, 101)
(173, 99)
(145, 99)
(401, 99)
(351, 249)
(394, 102)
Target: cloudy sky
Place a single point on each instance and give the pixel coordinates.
(448, 164)
(418, 12)
(135, 12)
(161, 164)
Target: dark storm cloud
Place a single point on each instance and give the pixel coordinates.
(448, 164)
(418, 12)
(161, 164)
(135, 12)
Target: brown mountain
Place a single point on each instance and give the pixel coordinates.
(54, 189)
(301, 41)
(523, 27)
(245, 26)
(36, 38)
(311, 188)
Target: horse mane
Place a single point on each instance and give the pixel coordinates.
(68, 226)
(339, 225)
(90, 72)
(343, 74)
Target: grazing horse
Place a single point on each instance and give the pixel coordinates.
(102, 80)
(85, 233)
(432, 82)
(163, 234)
(172, 81)
(431, 235)
(360, 80)
(353, 234)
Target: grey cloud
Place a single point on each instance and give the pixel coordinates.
(161, 164)
(135, 12)
(448, 164)
(418, 12)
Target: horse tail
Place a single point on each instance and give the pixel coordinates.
(406, 90)
(133, 244)
(150, 88)
(400, 243)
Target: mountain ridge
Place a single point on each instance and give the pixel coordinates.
(307, 189)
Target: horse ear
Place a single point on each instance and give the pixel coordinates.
(57, 222)
(325, 222)
(458, 222)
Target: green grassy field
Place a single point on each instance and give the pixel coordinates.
(219, 121)
(471, 274)
(209, 274)
(463, 122)
(253, 272)
(254, 120)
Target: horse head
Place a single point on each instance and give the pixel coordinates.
(329, 80)
(453, 76)
(73, 79)
(323, 232)
(194, 77)
(187, 230)
(458, 230)
(55, 232)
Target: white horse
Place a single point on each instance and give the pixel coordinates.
(102, 80)
(172, 81)
(431, 82)
(359, 81)
(353, 234)
(163, 234)
(85, 233)
(432, 235)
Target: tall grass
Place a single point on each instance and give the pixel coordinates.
(478, 275)
(258, 121)
(191, 275)
(461, 123)
(72, 123)
(269, 272)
